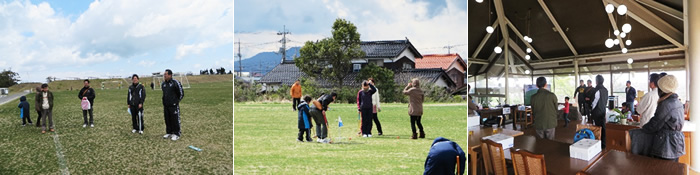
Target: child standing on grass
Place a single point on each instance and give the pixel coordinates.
(566, 111)
(24, 111)
(304, 120)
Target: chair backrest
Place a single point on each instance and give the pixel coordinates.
(596, 129)
(494, 158)
(527, 163)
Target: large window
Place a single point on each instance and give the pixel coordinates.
(565, 86)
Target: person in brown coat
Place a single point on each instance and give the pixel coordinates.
(415, 106)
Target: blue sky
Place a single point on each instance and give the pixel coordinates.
(83, 38)
(429, 25)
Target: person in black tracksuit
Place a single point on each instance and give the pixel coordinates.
(135, 99)
(172, 95)
(88, 92)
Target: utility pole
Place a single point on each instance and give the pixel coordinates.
(283, 49)
(448, 47)
(240, 68)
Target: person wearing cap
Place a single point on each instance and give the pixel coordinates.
(44, 100)
(647, 106)
(544, 107)
(668, 142)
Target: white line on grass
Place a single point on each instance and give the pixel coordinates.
(59, 154)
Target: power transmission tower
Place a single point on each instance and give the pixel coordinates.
(240, 68)
(283, 49)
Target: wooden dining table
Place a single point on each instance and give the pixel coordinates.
(475, 135)
(618, 162)
(556, 154)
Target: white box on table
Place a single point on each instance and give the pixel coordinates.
(473, 120)
(585, 149)
(506, 142)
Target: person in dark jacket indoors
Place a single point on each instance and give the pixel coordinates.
(365, 104)
(304, 120)
(630, 95)
(135, 99)
(24, 111)
(88, 92)
(442, 158)
(668, 141)
(172, 95)
(318, 110)
(598, 105)
(581, 99)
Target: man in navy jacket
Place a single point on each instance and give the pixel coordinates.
(442, 157)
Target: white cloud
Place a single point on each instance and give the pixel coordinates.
(145, 63)
(35, 37)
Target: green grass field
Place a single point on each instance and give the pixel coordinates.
(110, 147)
(265, 140)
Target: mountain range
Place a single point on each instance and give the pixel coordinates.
(265, 61)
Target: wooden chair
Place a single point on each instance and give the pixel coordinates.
(523, 117)
(494, 158)
(596, 129)
(527, 163)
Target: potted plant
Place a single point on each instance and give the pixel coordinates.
(621, 117)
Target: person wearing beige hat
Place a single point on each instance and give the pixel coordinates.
(668, 142)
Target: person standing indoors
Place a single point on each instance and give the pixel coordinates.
(88, 93)
(581, 98)
(376, 107)
(44, 99)
(588, 98)
(295, 91)
(598, 106)
(415, 106)
(544, 106)
(365, 102)
(630, 94)
(648, 104)
(135, 99)
(172, 95)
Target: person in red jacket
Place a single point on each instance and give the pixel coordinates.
(566, 111)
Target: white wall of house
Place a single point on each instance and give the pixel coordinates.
(440, 82)
(406, 52)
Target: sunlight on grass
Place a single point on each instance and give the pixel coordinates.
(265, 140)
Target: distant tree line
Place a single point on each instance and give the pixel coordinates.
(219, 71)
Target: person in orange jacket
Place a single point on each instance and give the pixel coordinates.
(295, 91)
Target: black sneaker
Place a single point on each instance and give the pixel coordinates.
(381, 133)
(299, 140)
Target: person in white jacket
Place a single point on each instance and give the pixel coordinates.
(647, 106)
(376, 108)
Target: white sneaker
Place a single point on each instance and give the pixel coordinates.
(166, 136)
(369, 135)
(327, 140)
(364, 135)
(175, 137)
(133, 131)
(84, 125)
(141, 132)
(319, 140)
(92, 125)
